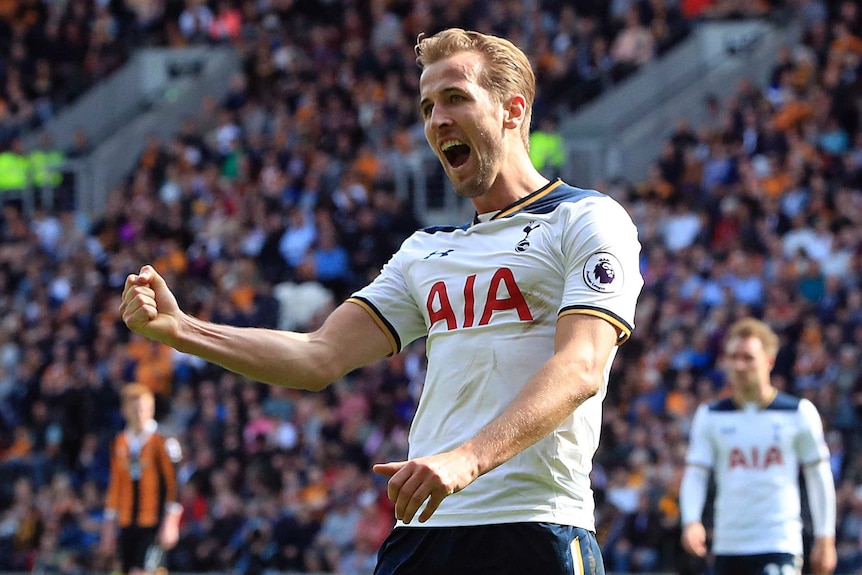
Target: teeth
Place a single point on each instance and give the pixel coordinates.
(450, 144)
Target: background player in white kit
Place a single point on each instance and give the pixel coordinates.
(523, 309)
(755, 442)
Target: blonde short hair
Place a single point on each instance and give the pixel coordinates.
(751, 327)
(507, 69)
(135, 391)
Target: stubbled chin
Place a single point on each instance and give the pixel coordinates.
(468, 186)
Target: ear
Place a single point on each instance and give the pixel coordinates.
(515, 112)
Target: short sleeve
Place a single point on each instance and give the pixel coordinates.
(810, 443)
(389, 301)
(602, 263)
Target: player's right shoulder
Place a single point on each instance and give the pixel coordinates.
(429, 236)
(441, 229)
(785, 402)
(724, 405)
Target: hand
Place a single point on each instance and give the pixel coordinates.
(431, 478)
(169, 534)
(108, 539)
(823, 556)
(694, 539)
(149, 307)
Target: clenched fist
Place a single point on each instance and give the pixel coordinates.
(149, 308)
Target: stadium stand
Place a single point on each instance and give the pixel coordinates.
(281, 203)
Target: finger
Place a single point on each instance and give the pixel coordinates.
(130, 295)
(131, 280)
(140, 297)
(140, 310)
(152, 277)
(413, 505)
(388, 469)
(411, 495)
(393, 490)
(693, 546)
(147, 272)
(433, 503)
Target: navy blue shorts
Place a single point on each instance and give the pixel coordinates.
(505, 549)
(760, 564)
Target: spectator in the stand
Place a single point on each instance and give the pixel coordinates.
(81, 145)
(547, 148)
(14, 173)
(196, 21)
(46, 163)
(633, 46)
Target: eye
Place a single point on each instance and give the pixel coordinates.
(426, 110)
(455, 98)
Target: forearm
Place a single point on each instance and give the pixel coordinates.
(550, 397)
(348, 339)
(281, 358)
(820, 487)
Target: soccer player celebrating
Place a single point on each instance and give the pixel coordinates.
(523, 309)
(754, 442)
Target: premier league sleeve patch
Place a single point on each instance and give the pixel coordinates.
(603, 273)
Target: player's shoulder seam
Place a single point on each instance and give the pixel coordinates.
(722, 405)
(784, 402)
(553, 198)
(431, 230)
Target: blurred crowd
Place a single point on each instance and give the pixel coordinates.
(52, 52)
(281, 202)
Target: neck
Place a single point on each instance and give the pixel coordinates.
(762, 395)
(517, 179)
(138, 428)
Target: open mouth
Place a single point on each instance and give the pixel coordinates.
(457, 154)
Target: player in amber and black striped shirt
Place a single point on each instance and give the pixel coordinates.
(142, 493)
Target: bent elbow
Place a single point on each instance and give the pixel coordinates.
(590, 380)
(316, 379)
(591, 387)
(324, 374)
(314, 384)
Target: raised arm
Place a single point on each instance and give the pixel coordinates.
(574, 373)
(349, 338)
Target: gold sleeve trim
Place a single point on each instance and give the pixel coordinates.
(381, 323)
(625, 331)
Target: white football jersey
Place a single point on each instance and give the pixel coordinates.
(488, 296)
(755, 454)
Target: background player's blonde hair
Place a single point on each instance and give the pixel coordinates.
(135, 391)
(750, 327)
(507, 69)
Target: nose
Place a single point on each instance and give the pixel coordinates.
(439, 117)
(739, 364)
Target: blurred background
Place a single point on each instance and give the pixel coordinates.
(267, 157)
